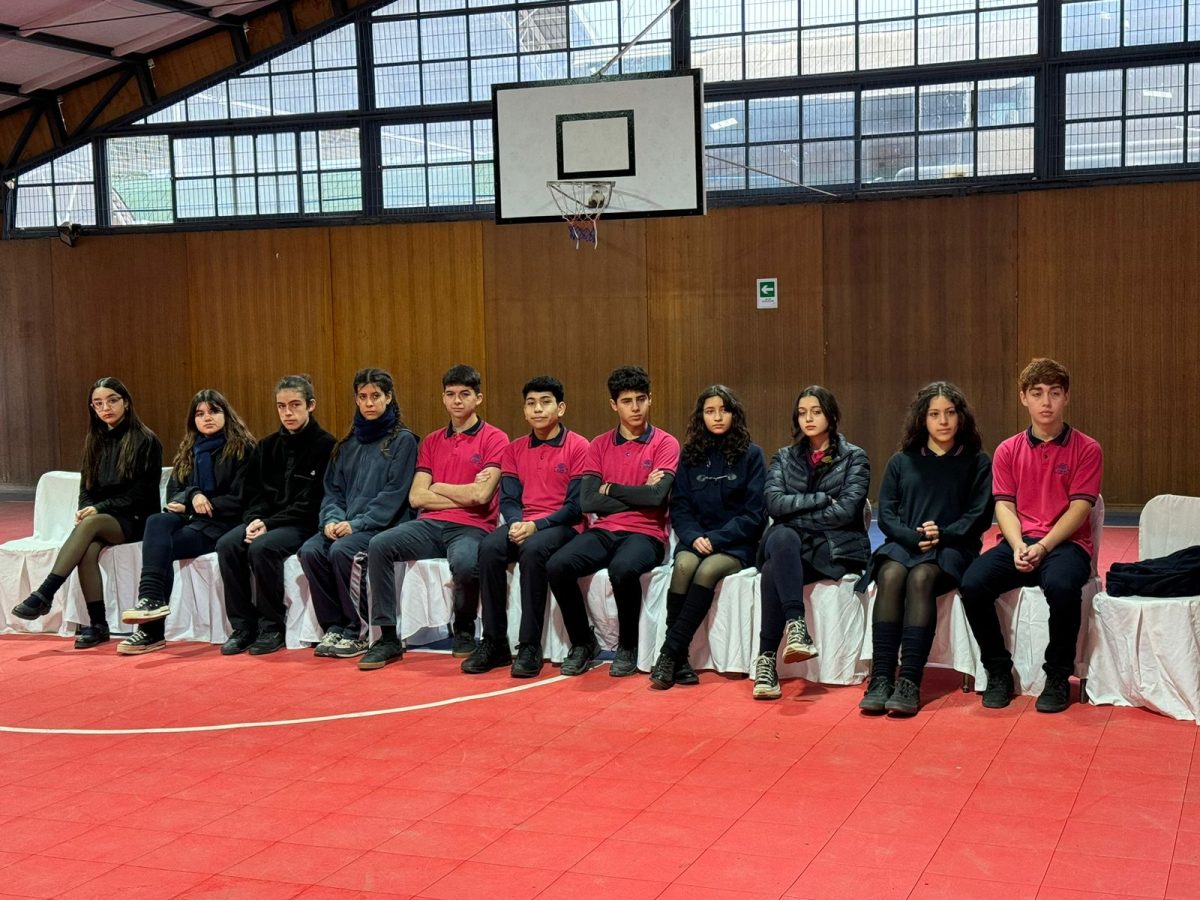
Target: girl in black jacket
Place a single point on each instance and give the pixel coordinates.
(281, 495)
(203, 503)
(816, 493)
(718, 514)
(935, 503)
(118, 490)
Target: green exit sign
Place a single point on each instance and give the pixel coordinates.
(768, 293)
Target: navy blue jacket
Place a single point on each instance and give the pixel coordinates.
(368, 486)
(721, 502)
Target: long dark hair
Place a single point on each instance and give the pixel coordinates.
(238, 439)
(700, 441)
(829, 406)
(130, 441)
(382, 380)
(916, 434)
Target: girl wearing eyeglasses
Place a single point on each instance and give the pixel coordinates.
(118, 491)
(203, 502)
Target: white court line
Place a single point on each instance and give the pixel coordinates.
(366, 714)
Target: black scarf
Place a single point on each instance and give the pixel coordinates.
(368, 431)
(203, 452)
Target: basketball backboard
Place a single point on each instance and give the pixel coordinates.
(640, 131)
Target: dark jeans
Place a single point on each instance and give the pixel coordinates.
(1061, 576)
(426, 539)
(262, 608)
(495, 553)
(327, 565)
(784, 576)
(165, 540)
(627, 555)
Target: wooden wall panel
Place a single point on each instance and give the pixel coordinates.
(409, 299)
(574, 314)
(704, 326)
(28, 366)
(915, 291)
(121, 308)
(260, 309)
(1108, 287)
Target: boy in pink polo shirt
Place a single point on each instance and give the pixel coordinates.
(458, 471)
(1046, 481)
(626, 482)
(539, 499)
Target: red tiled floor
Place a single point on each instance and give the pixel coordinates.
(139, 884)
(503, 882)
(391, 873)
(834, 881)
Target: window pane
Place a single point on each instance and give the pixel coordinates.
(725, 169)
(76, 202)
(886, 45)
(1091, 25)
(782, 160)
(451, 185)
(1008, 32)
(395, 42)
(1153, 21)
(486, 72)
(720, 58)
(829, 162)
(946, 106)
(337, 90)
(35, 207)
(827, 50)
(887, 159)
(402, 145)
(139, 179)
(771, 55)
(1093, 145)
(403, 188)
(196, 198)
(1156, 89)
(950, 155)
(1094, 94)
(1005, 151)
(193, 156)
(493, 33)
(444, 82)
(397, 86)
(829, 115)
(888, 110)
(1005, 101)
(763, 15)
(1154, 142)
(249, 97)
(724, 123)
(716, 16)
(596, 24)
(775, 119)
(540, 29)
(444, 38)
(946, 39)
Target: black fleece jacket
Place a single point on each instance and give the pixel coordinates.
(285, 478)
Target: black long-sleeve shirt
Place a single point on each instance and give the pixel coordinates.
(130, 500)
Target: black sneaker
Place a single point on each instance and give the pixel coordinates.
(464, 645)
(328, 641)
(147, 610)
(1055, 696)
(624, 662)
(579, 659)
(528, 663)
(32, 607)
(799, 645)
(905, 700)
(685, 674)
(879, 690)
(239, 642)
(380, 654)
(662, 676)
(90, 636)
(139, 642)
(268, 642)
(766, 679)
(999, 691)
(488, 655)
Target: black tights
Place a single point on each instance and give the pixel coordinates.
(904, 617)
(693, 581)
(82, 552)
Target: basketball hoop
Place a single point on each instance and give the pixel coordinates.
(581, 203)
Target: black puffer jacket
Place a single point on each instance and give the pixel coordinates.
(826, 505)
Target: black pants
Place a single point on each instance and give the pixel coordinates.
(167, 539)
(627, 555)
(1061, 576)
(260, 609)
(781, 588)
(327, 565)
(496, 551)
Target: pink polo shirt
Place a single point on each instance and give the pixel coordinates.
(456, 458)
(1043, 477)
(619, 461)
(545, 470)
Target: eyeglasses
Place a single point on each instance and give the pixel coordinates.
(110, 403)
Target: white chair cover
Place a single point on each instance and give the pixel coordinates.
(727, 641)
(837, 620)
(25, 562)
(1145, 651)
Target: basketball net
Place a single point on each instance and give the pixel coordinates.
(581, 203)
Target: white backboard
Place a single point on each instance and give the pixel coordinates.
(640, 131)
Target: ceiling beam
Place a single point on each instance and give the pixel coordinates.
(53, 41)
(195, 10)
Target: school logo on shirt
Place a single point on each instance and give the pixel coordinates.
(1062, 469)
(647, 464)
(476, 459)
(560, 468)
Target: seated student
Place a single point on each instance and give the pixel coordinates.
(282, 494)
(935, 503)
(539, 499)
(366, 490)
(626, 482)
(458, 471)
(1046, 481)
(118, 491)
(718, 513)
(816, 493)
(205, 502)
